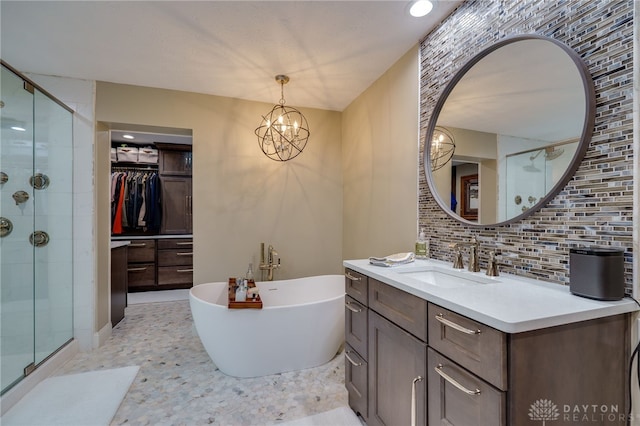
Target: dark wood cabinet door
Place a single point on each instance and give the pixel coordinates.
(176, 205)
(356, 381)
(175, 162)
(119, 285)
(460, 398)
(396, 360)
(355, 326)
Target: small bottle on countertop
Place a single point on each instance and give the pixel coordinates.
(422, 246)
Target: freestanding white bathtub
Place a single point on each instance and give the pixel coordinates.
(301, 325)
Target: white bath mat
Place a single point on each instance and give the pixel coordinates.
(157, 296)
(85, 399)
(342, 416)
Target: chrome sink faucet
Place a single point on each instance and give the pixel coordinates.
(474, 248)
(270, 264)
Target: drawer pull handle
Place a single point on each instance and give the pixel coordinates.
(355, 364)
(351, 277)
(184, 270)
(136, 269)
(454, 382)
(352, 309)
(190, 243)
(455, 326)
(413, 400)
(185, 254)
(138, 245)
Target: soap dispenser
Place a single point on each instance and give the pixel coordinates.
(422, 246)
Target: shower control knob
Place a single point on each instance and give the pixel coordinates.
(20, 197)
(5, 227)
(39, 239)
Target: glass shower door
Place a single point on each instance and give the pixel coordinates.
(36, 217)
(52, 234)
(16, 224)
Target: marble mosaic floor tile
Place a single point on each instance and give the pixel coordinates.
(178, 384)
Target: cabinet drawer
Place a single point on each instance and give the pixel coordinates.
(475, 346)
(355, 325)
(457, 397)
(356, 285)
(404, 309)
(141, 274)
(181, 257)
(168, 275)
(175, 243)
(356, 381)
(142, 251)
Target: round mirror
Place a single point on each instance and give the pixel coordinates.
(509, 130)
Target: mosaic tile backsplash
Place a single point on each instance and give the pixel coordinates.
(596, 206)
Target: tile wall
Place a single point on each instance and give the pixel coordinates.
(596, 206)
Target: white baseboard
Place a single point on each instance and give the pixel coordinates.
(102, 335)
(43, 371)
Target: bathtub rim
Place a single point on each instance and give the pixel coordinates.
(329, 299)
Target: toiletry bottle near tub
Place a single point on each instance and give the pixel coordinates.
(241, 293)
(249, 276)
(422, 246)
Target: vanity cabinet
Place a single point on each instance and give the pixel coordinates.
(438, 367)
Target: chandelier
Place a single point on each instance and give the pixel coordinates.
(284, 131)
(442, 148)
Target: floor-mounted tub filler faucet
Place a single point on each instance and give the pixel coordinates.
(269, 265)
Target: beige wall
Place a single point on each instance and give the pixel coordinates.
(103, 222)
(380, 164)
(241, 197)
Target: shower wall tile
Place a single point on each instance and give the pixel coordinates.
(596, 206)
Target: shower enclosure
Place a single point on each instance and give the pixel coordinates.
(531, 174)
(36, 207)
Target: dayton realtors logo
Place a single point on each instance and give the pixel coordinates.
(546, 410)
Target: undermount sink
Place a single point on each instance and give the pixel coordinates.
(446, 279)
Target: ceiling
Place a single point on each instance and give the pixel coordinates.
(331, 50)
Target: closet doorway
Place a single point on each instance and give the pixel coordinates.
(150, 213)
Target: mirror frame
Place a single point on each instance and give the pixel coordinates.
(583, 145)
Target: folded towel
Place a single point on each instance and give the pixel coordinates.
(393, 260)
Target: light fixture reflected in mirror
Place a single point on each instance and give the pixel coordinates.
(442, 148)
(284, 131)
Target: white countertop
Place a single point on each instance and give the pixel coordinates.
(148, 237)
(120, 243)
(508, 303)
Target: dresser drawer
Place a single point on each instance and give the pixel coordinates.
(168, 275)
(355, 325)
(404, 309)
(459, 398)
(141, 274)
(475, 346)
(142, 251)
(356, 381)
(180, 257)
(356, 285)
(175, 243)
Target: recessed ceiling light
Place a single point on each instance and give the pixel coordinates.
(128, 137)
(420, 8)
(20, 129)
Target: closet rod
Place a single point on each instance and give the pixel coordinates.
(134, 169)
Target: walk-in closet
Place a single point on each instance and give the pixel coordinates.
(151, 214)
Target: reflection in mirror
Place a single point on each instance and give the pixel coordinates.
(520, 117)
